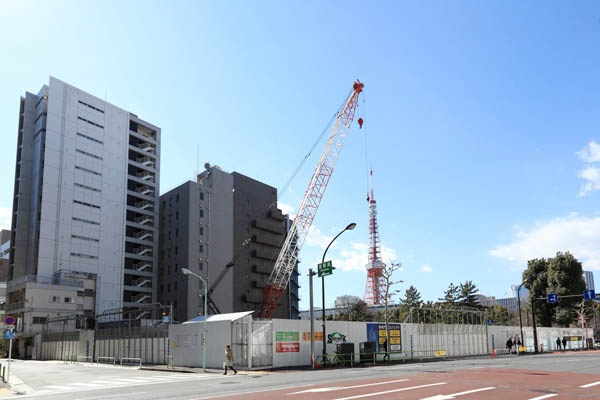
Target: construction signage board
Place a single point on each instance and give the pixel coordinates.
(377, 333)
(287, 336)
(287, 347)
(318, 336)
(325, 268)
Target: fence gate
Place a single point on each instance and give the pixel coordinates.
(262, 344)
(239, 343)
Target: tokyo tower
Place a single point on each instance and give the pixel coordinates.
(374, 292)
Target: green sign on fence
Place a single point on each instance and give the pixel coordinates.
(287, 336)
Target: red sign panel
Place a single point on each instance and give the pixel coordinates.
(9, 320)
(287, 347)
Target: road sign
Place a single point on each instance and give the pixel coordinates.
(325, 268)
(9, 320)
(9, 334)
(490, 322)
(166, 319)
(589, 294)
(552, 298)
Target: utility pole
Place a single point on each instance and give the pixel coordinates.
(535, 339)
(311, 273)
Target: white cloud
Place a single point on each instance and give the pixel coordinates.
(590, 153)
(591, 174)
(356, 257)
(577, 234)
(286, 209)
(317, 239)
(426, 268)
(5, 218)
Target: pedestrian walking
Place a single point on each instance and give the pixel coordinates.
(509, 345)
(557, 343)
(518, 344)
(564, 343)
(387, 353)
(228, 360)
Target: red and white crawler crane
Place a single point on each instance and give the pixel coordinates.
(288, 256)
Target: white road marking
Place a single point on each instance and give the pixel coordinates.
(392, 391)
(590, 385)
(127, 380)
(546, 396)
(453, 395)
(111, 396)
(253, 391)
(57, 387)
(333, 388)
(91, 385)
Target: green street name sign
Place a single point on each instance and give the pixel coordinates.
(325, 268)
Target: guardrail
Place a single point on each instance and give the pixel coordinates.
(98, 359)
(132, 359)
(85, 359)
(373, 358)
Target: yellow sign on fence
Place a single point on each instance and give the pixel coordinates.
(440, 353)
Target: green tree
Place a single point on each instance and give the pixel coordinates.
(565, 278)
(468, 295)
(357, 312)
(535, 279)
(499, 314)
(412, 297)
(451, 296)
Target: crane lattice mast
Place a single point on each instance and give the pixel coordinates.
(374, 292)
(288, 256)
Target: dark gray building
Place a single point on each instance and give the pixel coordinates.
(227, 228)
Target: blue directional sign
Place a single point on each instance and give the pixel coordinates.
(9, 334)
(490, 322)
(166, 319)
(589, 294)
(552, 298)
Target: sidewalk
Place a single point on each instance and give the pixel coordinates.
(197, 370)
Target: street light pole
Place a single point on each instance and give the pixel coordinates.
(311, 273)
(520, 319)
(205, 284)
(348, 228)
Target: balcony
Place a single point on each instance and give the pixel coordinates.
(143, 235)
(144, 219)
(144, 205)
(147, 147)
(142, 282)
(143, 250)
(145, 190)
(140, 298)
(146, 176)
(15, 306)
(147, 161)
(142, 266)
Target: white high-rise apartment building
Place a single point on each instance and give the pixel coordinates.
(588, 277)
(85, 212)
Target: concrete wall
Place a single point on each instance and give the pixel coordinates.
(546, 336)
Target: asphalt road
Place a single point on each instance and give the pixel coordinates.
(559, 376)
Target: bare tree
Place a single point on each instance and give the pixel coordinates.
(388, 295)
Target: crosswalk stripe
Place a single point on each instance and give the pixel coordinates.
(57, 387)
(590, 385)
(546, 396)
(393, 391)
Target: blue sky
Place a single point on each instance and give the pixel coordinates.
(481, 117)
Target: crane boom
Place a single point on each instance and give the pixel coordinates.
(288, 256)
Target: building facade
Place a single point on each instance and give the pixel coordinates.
(588, 277)
(84, 222)
(226, 228)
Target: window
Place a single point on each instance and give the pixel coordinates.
(55, 299)
(89, 239)
(83, 203)
(169, 252)
(68, 300)
(201, 195)
(87, 170)
(90, 138)
(39, 320)
(170, 218)
(201, 265)
(85, 153)
(201, 230)
(162, 288)
(177, 232)
(90, 122)
(162, 254)
(87, 187)
(176, 267)
(176, 250)
(163, 204)
(168, 287)
(84, 256)
(86, 221)
(170, 201)
(170, 235)
(177, 198)
(175, 286)
(176, 214)
(169, 269)
(201, 248)
(201, 213)
(90, 106)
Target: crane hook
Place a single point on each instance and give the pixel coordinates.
(360, 122)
